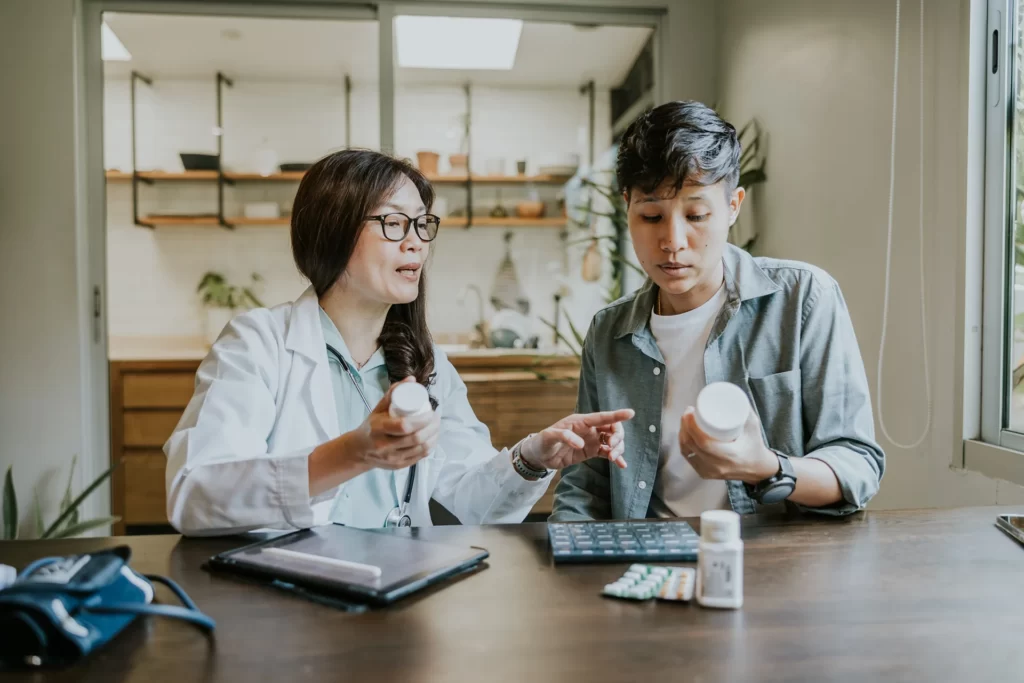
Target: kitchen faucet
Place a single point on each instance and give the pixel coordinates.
(480, 336)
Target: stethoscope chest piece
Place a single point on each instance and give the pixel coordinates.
(398, 515)
(397, 518)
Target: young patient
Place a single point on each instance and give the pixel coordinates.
(710, 312)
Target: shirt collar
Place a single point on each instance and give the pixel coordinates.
(744, 280)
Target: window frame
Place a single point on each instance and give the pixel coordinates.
(1001, 43)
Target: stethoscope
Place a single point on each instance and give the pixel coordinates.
(398, 516)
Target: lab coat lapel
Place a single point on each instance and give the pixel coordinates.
(305, 338)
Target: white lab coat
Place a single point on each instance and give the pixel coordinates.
(238, 458)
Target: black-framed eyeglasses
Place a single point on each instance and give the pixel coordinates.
(395, 226)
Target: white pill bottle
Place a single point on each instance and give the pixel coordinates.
(722, 410)
(409, 399)
(720, 563)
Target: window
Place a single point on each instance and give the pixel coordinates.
(1003, 343)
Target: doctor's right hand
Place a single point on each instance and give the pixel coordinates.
(394, 443)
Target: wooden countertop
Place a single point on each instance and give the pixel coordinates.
(926, 595)
(480, 363)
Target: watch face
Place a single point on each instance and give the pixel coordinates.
(778, 492)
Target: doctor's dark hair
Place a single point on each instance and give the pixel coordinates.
(681, 142)
(328, 216)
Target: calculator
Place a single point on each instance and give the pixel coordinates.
(639, 541)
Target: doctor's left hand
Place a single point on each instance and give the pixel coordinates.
(577, 438)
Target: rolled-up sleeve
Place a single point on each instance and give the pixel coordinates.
(837, 400)
(477, 483)
(220, 477)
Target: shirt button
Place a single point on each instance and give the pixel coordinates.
(642, 485)
(652, 429)
(657, 371)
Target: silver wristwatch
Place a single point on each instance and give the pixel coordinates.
(525, 470)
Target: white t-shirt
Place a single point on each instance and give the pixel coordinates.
(678, 489)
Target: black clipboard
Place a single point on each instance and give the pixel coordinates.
(336, 560)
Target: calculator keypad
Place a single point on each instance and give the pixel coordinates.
(623, 541)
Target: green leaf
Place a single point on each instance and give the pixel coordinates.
(56, 526)
(82, 527)
(253, 298)
(65, 502)
(38, 513)
(10, 506)
(605, 214)
(591, 238)
(752, 177)
(568, 342)
(575, 332)
(626, 262)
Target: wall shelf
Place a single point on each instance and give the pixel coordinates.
(449, 222)
(229, 221)
(498, 179)
(295, 176)
(153, 221)
(242, 220)
(222, 177)
(511, 222)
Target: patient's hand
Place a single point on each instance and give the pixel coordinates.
(578, 437)
(745, 459)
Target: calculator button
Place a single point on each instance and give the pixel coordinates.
(605, 544)
(584, 544)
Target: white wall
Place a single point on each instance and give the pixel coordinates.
(152, 274)
(41, 365)
(819, 77)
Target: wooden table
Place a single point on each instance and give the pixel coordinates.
(921, 596)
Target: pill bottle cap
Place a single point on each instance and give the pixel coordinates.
(722, 410)
(409, 398)
(719, 526)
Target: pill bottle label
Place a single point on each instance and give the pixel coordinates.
(718, 577)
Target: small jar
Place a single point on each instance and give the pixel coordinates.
(720, 563)
(409, 399)
(722, 410)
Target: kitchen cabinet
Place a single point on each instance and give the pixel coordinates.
(148, 395)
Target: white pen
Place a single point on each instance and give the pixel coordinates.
(373, 571)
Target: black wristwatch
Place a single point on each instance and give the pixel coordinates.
(777, 487)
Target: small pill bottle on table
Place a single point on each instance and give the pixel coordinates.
(720, 562)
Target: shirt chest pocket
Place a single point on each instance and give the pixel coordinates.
(778, 401)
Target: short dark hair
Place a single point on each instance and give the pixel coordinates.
(678, 141)
(328, 215)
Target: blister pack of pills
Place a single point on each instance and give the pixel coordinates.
(644, 582)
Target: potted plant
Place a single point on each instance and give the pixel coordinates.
(66, 524)
(223, 300)
(752, 162)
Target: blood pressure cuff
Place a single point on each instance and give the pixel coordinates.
(60, 609)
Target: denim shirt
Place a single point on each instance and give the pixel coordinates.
(784, 336)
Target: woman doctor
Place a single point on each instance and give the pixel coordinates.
(289, 424)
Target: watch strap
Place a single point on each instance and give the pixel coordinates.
(785, 477)
(524, 469)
